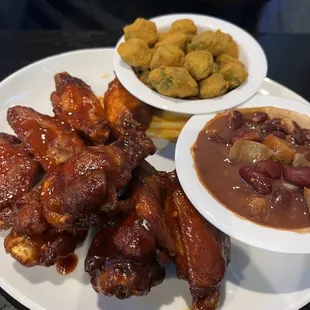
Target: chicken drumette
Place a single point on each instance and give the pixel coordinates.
(50, 141)
(202, 251)
(18, 174)
(124, 111)
(43, 250)
(129, 258)
(74, 103)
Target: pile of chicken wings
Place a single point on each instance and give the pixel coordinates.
(85, 167)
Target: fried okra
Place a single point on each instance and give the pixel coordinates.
(225, 58)
(178, 39)
(183, 25)
(171, 56)
(142, 29)
(214, 42)
(144, 78)
(136, 53)
(173, 82)
(212, 86)
(234, 73)
(199, 64)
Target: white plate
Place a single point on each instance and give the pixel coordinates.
(221, 217)
(250, 53)
(255, 279)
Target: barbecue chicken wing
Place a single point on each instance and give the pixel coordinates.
(75, 103)
(8, 139)
(18, 174)
(125, 111)
(87, 184)
(42, 250)
(48, 140)
(202, 251)
(148, 195)
(128, 259)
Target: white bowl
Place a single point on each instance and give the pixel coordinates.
(250, 53)
(248, 232)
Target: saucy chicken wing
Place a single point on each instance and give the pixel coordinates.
(48, 140)
(122, 262)
(124, 111)
(75, 103)
(128, 259)
(42, 250)
(87, 183)
(18, 174)
(202, 251)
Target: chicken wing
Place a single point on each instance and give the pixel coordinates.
(128, 259)
(42, 250)
(124, 111)
(75, 191)
(18, 174)
(122, 262)
(75, 103)
(202, 251)
(50, 141)
(148, 195)
(8, 139)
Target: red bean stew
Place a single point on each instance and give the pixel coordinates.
(256, 162)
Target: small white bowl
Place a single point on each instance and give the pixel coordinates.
(250, 53)
(248, 232)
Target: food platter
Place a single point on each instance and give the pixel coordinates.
(255, 278)
(251, 54)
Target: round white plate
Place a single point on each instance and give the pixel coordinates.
(255, 279)
(250, 53)
(221, 217)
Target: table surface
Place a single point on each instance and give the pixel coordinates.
(19, 49)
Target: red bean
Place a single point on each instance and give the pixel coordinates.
(259, 182)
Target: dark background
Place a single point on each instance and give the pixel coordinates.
(114, 14)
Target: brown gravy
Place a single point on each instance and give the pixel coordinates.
(221, 178)
(67, 265)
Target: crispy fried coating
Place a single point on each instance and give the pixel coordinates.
(177, 39)
(18, 174)
(142, 29)
(215, 42)
(144, 78)
(124, 111)
(183, 25)
(234, 73)
(225, 58)
(41, 250)
(199, 64)
(49, 141)
(173, 82)
(170, 56)
(75, 104)
(202, 251)
(136, 53)
(231, 49)
(212, 86)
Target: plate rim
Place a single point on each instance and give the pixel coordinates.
(4, 284)
(217, 214)
(234, 98)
